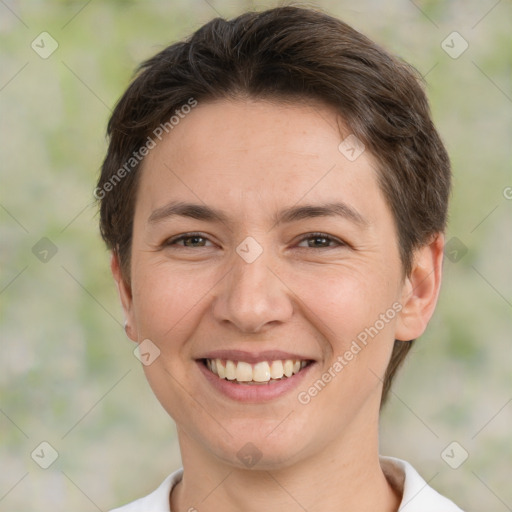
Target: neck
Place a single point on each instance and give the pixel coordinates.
(344, 477)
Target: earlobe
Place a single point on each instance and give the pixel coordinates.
(421, 290)
(125, 295)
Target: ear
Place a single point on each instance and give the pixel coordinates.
(125, 295)
(421, 290)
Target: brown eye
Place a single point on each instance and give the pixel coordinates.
(190, 240)
(321, 241)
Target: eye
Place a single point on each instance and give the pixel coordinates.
(323, 239)
(194, 240)
(190, 240)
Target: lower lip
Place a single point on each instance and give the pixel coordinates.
(254, 392)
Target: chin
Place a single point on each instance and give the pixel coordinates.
(257, 450)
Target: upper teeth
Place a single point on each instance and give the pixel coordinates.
(259, 372)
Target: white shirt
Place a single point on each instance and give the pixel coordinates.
(417, 495)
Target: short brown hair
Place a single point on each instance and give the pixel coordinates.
(288, 54)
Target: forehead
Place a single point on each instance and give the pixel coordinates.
(231, 130)
(241, 152)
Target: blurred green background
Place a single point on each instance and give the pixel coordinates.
(68, 375)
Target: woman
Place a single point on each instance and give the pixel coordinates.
(274, 196)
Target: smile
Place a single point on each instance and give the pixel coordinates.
(262, 372)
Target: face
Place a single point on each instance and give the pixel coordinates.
(273, 304)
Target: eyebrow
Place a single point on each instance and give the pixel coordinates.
(288, 215)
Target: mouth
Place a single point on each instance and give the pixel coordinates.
(253, 377)
(266, 372)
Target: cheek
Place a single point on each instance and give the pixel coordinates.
(354, 314)
(344, 303)
(166, 301)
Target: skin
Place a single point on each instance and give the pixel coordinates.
(251, 159)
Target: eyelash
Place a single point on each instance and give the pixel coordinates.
(172, 241)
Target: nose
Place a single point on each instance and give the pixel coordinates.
(253, 295)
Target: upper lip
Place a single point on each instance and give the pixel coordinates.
(254, 357)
